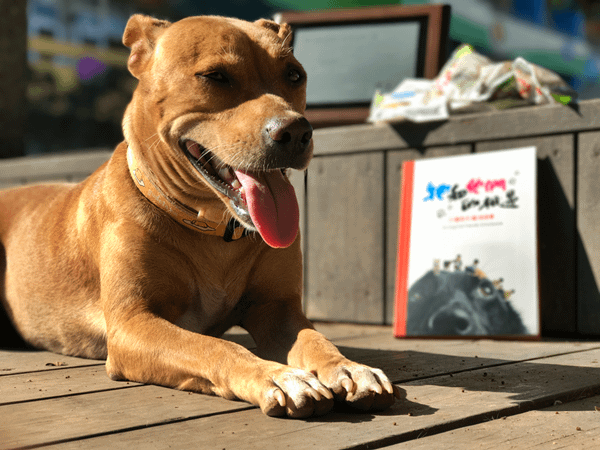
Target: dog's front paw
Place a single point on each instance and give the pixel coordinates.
(296, 393)
(360, 386)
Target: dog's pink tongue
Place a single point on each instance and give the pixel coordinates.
(272, 205)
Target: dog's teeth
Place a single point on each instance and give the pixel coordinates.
(236, 184)
(226, 174)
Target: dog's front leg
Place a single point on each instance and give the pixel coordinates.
(291, 338)
(143, 297)
(149, 349)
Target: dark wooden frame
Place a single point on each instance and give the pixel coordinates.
(437, 18)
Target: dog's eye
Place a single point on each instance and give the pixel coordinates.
(486, 289)
(294, 75)
(216, 76)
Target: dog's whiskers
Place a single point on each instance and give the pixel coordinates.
(154, 145)
(211, 151)
(285, 49)
(237, 158)
(147, 139)
(225, 217)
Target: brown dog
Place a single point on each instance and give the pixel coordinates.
(190, 228)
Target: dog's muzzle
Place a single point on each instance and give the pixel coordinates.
(262, 199)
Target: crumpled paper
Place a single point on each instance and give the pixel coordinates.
(470, 82)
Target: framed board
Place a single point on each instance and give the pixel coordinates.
(350, 53)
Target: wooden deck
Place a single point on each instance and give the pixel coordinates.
(459, 394)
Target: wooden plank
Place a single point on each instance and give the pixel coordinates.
(431, 405)
(588, 238)
(508, 350)
(340, 331)
(298, 180)
(344, 258)
(460, 129)
(49, 167)
(393, 176)
(574, 425)
(41, 180)
(556, 218)
(77, 416)
(239, 336)
(417, 359)
(14, 362)
(5, 184)
(51, 384)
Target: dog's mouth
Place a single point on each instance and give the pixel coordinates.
(262, 201)
(220, 176)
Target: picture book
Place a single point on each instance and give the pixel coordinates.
(467, 246)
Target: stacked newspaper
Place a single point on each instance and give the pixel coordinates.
(469, 79)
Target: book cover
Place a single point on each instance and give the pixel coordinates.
(467, 246)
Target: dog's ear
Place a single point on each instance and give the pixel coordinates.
(283, 30)
(140, 36)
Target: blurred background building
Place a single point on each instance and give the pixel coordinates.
(78, 84)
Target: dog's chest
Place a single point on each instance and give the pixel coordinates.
(211, 311)
(216, 286)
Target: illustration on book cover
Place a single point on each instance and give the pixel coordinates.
(467, 250)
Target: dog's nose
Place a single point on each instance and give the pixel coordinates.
(450, 323)
(292, 134)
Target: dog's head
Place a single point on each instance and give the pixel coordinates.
(218, 114)
(460, 303)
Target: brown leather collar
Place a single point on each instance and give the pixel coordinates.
(186, 216)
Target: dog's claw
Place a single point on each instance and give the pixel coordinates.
(313, 393)
(349, 385)
(325, 392)
(280, 397)
(297, 394)
(360, 386)
(376, 388)
(389, 388)
(386, 386)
